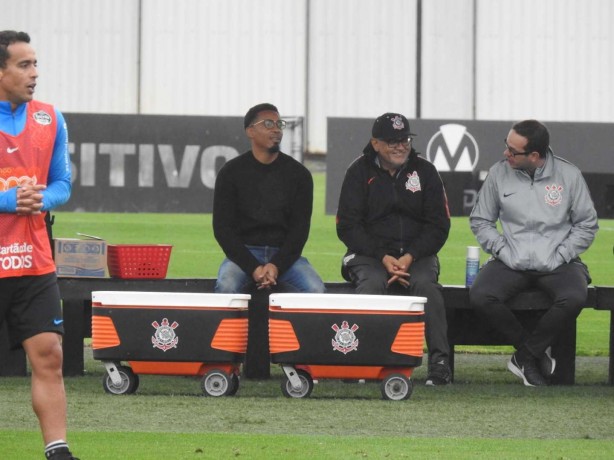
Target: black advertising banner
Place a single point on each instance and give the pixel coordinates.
(149, 163)
(464, 150)
(165, 163)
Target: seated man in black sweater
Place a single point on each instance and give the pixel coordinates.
(262, 213)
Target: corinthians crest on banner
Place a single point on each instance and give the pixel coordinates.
(165, 338)
(345, 340)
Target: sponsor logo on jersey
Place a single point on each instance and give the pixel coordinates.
(42, 117)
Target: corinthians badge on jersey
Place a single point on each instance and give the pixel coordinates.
(165, 338)
(553, 196)
(345, 340)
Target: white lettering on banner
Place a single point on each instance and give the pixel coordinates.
(146, 165)
(88, 165)
(181, 178)
(121, 154)
(16, 256)
(469, 198)
(209, 160)
(117, 154)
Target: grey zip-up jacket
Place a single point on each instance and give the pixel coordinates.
(547, 220)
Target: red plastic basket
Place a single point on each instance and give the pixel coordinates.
(131, 261)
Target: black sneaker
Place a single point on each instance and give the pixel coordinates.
(60, 453)
(527, 370)
(439, 374)
(547, 363)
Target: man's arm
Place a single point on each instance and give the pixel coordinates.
(34, 198)
(299, 222)
(583, 218)
(484, 216)
(351, 212)
(59, 179)
(436, 217)
(226, 225)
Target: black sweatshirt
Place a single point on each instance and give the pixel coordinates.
(262, 205)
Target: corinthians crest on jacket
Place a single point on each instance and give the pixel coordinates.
(413, 182)
(554, 195)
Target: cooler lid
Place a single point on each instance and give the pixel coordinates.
(171, 299)
(348, 302)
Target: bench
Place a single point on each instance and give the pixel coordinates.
(464, 328)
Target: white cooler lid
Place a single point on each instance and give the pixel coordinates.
(171, 299)
(348, 302)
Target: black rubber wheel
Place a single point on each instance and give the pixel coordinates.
(396, 387)
(304, 391)
(129, 384)
(234, 385)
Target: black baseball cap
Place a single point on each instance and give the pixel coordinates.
(390, 126)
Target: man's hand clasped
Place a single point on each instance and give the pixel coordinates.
(265, 276)
(29, 199)
(397, 268)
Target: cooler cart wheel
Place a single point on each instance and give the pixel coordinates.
(396, 387)
(216, 383)
(234, 385)
(302, 392)
(128, 385)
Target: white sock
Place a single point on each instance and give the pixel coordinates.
(55, 445)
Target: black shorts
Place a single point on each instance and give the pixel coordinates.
(30, 305)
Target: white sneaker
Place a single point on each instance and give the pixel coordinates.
(547, 363)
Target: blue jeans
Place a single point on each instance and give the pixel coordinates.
(300, 277)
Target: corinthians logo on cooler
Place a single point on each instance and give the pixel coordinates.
(345, 340)
(453, 148)
(164, 338)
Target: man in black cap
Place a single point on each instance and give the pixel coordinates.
(393, 217)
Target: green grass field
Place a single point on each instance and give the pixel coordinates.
(196, 254)
(487, 413)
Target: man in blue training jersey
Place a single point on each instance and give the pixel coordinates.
(34, 178)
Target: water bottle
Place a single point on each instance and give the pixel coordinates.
(473, 264)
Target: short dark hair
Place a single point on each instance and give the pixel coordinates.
(8, 37)
(538, 137)
(252, 113)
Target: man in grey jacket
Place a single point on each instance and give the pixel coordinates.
(547, 219)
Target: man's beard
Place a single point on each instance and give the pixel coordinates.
(274, 148)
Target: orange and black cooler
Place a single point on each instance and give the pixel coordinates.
(349, 337)
(169, 333)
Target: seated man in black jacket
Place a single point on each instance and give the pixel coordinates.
(393, 217)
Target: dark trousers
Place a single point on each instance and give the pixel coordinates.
(370, 277)
(496, 283)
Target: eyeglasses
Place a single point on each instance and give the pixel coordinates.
(270, 124)
(514, 152)
(398, 142)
